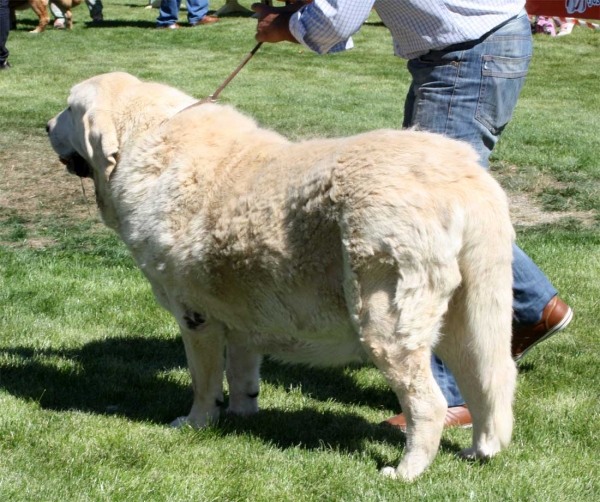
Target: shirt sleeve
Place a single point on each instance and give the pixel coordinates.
(327, 25)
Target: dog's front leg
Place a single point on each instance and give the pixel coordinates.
(204, 345)
(243, 367)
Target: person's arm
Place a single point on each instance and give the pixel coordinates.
(322, 26)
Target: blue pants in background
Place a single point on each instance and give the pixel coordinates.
(169, 11)
(469, 92)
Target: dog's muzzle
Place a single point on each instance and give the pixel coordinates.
(77, 165)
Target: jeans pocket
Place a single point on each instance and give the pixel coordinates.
(502, 79)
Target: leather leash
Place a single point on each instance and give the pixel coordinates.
(213, 97)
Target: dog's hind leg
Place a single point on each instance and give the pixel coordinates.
(204, 349)
(476, 348)
(41, 10)
(243, 373)
(400, 317)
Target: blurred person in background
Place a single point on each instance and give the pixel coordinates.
(196, 13)
(4, 29)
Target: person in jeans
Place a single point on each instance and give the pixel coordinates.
(4, 29)
(468, 62)
(196, 13)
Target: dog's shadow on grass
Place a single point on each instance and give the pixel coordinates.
(133, 377)
(25, 25)
(117, 375)
(316, 430)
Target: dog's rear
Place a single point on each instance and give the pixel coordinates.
(423, 229)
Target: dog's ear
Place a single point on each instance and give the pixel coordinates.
(104, 142)
(96, 101)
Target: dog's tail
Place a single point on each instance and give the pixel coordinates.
(479, 322)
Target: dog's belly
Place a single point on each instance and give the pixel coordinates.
(300, 326)
(314, 332)
(332, 349)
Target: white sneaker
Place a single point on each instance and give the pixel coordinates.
(565, 29)
(59, 23)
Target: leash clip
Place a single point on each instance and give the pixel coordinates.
(207, 99)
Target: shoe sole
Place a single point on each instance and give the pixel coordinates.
(559, 327)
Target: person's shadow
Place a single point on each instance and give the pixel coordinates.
(133, 377)
(121, 23)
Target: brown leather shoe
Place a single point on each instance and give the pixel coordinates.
(205, 20)
(555, 317)
(457, 416)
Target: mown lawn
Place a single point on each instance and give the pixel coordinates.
(92, 371)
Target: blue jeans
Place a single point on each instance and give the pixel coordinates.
(469, 92)
(95, 8)
(4, 29)
(169, 11)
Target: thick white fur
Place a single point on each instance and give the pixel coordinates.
(385, 244)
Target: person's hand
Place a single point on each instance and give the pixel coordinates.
(273, 22)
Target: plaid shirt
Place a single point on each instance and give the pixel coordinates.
(417, 26)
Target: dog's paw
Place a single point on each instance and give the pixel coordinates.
(402, 472)
(193, 422)
(479, 453)
(389, 472)
(412, 465)
(179, 422)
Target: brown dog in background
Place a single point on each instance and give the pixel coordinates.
(40, 7)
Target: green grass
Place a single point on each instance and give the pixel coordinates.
(92, 371)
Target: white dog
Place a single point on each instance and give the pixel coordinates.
(383, 245)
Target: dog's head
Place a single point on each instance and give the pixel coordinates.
(104, 112)
(84, 135)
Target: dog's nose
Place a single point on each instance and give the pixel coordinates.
(48, 128)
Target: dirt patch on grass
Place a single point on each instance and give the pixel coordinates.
(526, 213)
(35, 188)
(34, 183)
(525, 210)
